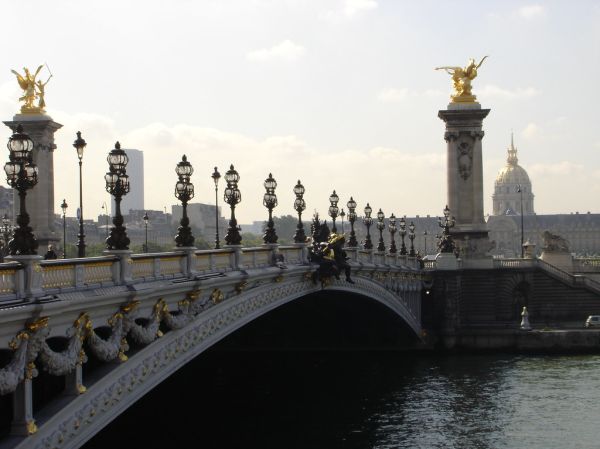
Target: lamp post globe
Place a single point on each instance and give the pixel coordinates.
(270, 202)
(411, 236)
(215, 177)
(368, 221)
(184, 192)
(299, 206)
(380, 228)
(402, 232)
(351, 204)
(117, 184)
(446, 243)
(232, 196)
(22, 175)
(64, 207)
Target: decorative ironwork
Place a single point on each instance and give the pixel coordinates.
(64, 206)
(22, 175)
(299, 206)
(117, 184)
(270, 202)
(146, 219)
(232, 197)
(446, 242)
(353, 243)
(368, 221)
(5, 230)
(184, 191)
(380, 228)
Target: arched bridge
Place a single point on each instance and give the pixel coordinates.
(138, 318)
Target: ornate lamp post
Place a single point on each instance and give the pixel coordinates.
(117, 184)
(232, 197)
(184, 191)
(352, 218)
(105, 209)
(446, 244)
(402, 233)
(380, 228)
(342, 215)
(392, 229)
(425, 234)
(22, 175)
(216, 176)
(411, 236)
(146, 219)
(270, 202)
(64, 206)
(333, 209)
(368, 221)
(79, 145)
(299, 206)
(520, 190)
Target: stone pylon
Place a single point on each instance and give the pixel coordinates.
(465, 177)
(40, 199)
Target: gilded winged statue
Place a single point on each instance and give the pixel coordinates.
(462, 77)
(32, 89)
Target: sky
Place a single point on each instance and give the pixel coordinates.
(341, 94)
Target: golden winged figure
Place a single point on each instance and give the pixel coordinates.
(461, 78)
(32, 90)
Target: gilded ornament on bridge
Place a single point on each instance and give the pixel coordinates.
(34, 91)
(461, 79)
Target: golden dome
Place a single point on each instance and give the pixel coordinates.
(512, 173)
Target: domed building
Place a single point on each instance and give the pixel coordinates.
(512, 189)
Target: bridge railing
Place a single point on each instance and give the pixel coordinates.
(586, 265)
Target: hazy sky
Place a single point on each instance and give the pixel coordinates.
(341, 94)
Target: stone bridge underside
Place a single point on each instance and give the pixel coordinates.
(166, 324)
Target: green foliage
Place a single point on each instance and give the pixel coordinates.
(251, 240)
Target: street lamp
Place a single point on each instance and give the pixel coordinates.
(146, 219)
(446, 244)
(5, 229)
(402, 233)
(117, 184)
(342, 215)
(184, 191)
(79, 145)
(21, 174)
(299, 206)
(352, 218)
(232, 197)
(520, 190)
(368, 221)
(64, 206)
(411, 236)
(392, 229)
(105, 209)
(380, 228)
(216, 176)
(333, 209)
(425, 238)
(270, 202)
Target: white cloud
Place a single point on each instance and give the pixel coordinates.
(531, 11)
(493, 91)
(284, 51)
(562, 168)
(397, 95)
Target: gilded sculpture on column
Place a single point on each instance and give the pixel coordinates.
(461, 78)
(33, 89)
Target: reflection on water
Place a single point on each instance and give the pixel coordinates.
(368, 400)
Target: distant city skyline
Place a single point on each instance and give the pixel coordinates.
(341, 94)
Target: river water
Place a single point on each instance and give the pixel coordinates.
(327, 400)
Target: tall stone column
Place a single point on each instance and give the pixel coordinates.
(465, 177)
(40, 199)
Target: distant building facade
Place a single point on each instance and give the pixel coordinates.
(134, 200)
(202, 218)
